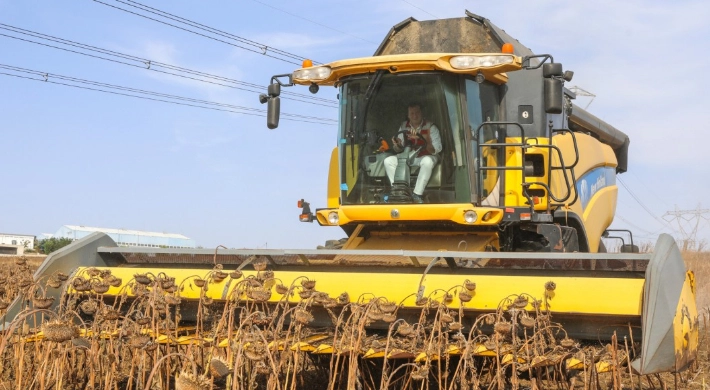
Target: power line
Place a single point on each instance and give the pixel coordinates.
(144, 63)
(256, 47)
(421, 9)
(155, 96)
(636, 198)
(311, 21)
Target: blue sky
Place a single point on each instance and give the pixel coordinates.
(76, 156)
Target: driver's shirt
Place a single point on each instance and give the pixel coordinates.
(426, 128)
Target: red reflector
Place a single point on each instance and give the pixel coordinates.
(524, 216)
(536, 199)
(509, 210)
(300, 204)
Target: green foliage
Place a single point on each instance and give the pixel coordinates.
(49, 245)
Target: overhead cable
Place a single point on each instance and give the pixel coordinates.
(311, 21)
(144, 63)
(421, 9)
(662, 222)
(241, 42)
(151, 95)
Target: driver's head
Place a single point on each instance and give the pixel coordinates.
(414, 113)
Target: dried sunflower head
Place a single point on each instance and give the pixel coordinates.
(387, 306)
(446, 318)
(100, 287)
(259, 295)
(255, 351)
(303, 316)
(42, 303)
(93, 272)
(420, 373)
(143, 279)
(89, 307)
(219, 276)
(550, 286)
(465, 296)
(199, 282)
(305, 294)
(527, 322)
(59, 331)
(53, 282)
(521, 302)
(308, 284)
(281, 289)
(187, 381)
(405, 329)
(236, 274)
(259, 264)
(343, 298)
(469, 285)
(138, 341)
(503, 328)
(218, 368)
(113, 281)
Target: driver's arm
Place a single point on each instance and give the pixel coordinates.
(434, 147)
(398, 141)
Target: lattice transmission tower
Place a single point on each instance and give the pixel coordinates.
(688, 222)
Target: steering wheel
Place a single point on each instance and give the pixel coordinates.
(407, 141)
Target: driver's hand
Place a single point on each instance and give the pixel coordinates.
(397, 141)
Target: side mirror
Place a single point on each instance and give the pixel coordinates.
(274, 89)
(552, 70)
(273, 111)
(554, 99)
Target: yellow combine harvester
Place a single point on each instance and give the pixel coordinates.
(499, 255)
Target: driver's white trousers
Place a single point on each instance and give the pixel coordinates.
(426, 166)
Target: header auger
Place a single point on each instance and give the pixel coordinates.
(498, 276)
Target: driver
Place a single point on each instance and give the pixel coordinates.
(419, 132)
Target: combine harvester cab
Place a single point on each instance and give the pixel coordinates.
(500, 267)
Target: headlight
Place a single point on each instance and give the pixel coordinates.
(333, 218)
(314, 73)
(470, 216)
(486, 61)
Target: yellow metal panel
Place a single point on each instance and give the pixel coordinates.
(412, 212)
(303, 347)
(423, 356)
(324, 349)
(574, 294)
(593, 154)
(599, 214)
(508, 358)
(412, 62)
(350, 173)
(482, 350)
(685, 324)
(574, 364)
(372, 354)
(334, 180)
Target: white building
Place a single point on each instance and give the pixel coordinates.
(126, 237)
(15, 244)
